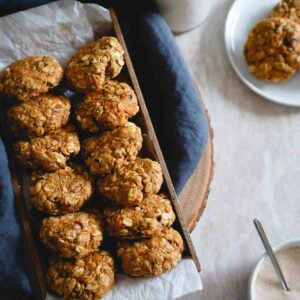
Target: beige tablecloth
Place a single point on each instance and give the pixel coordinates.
(257, 172)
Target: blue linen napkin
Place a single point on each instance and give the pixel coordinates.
(172, 99)
(14, 283)
(178, 117)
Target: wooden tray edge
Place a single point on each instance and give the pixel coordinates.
(153, 138)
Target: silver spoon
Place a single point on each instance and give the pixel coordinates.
(271, 254)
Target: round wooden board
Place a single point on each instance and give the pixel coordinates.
(193, 197)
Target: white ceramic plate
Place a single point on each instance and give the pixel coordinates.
(243, 16)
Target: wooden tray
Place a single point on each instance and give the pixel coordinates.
(20, 185)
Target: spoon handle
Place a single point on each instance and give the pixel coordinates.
(271, 254)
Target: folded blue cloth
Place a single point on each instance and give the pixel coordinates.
(174, 103)
(14, 283)
(178, 118)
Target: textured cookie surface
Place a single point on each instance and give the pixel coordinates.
(130, 185)
(113, 149)
(108, 108)
(148, 219)
(73, 234)
(153, 256)
(62, 191)
(97, 62)
(272, 50)
(87, 278)
(50, 152)
(38, 116)
(30, 77)
(287, 9)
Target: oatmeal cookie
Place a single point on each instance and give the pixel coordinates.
(113, 149)
(73, 234)
(287, 9)
(62, 191)
(51, 151)
(153, 256)
(30, 77)
(87, 278)
(108, 108)
(130, 185)
(38, 116)
(272, 50)
(100, 60)
(146, 220)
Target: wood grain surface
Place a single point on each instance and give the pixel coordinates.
(194, 195)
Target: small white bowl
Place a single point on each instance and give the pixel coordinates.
(254, 273)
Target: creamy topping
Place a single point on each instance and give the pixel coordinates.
(267, 283)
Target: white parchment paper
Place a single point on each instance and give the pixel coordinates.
(59, 29)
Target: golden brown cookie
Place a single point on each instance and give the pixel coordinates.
(130, 185)
(30, 77)
(62, 191)
(97, 62)
(146, 220)
(74, 234)
(87, 278)
(113, 149)
(50, 152)
(108, 108)
(287, 9)
(38, 116)
(153, 256)
(272, 50)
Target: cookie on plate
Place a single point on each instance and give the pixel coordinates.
(87, 278)
(62, 191)
(50, 152)
(113, 149)
(148, 219)
(287, 9)
(30, 77)
(153, 256)
(272, 50)
(108, 108)
(97, 62)
(74, 234)
(38, 116)
(130, 185)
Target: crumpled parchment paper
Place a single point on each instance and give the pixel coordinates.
(59, 29)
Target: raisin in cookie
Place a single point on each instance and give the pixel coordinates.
(38, 116)
(73, 234)
(153, 256)
(145, 220)
(98, 61)
(87, 278)
(62, 191)
(130, 185)
(108, 108)
(113, 149)
(30, 77)
(272, 50)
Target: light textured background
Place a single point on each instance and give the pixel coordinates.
(257, 172)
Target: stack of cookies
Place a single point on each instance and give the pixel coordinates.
(272, 50)
(136, 215)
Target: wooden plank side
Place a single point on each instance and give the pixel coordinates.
(153, 139)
